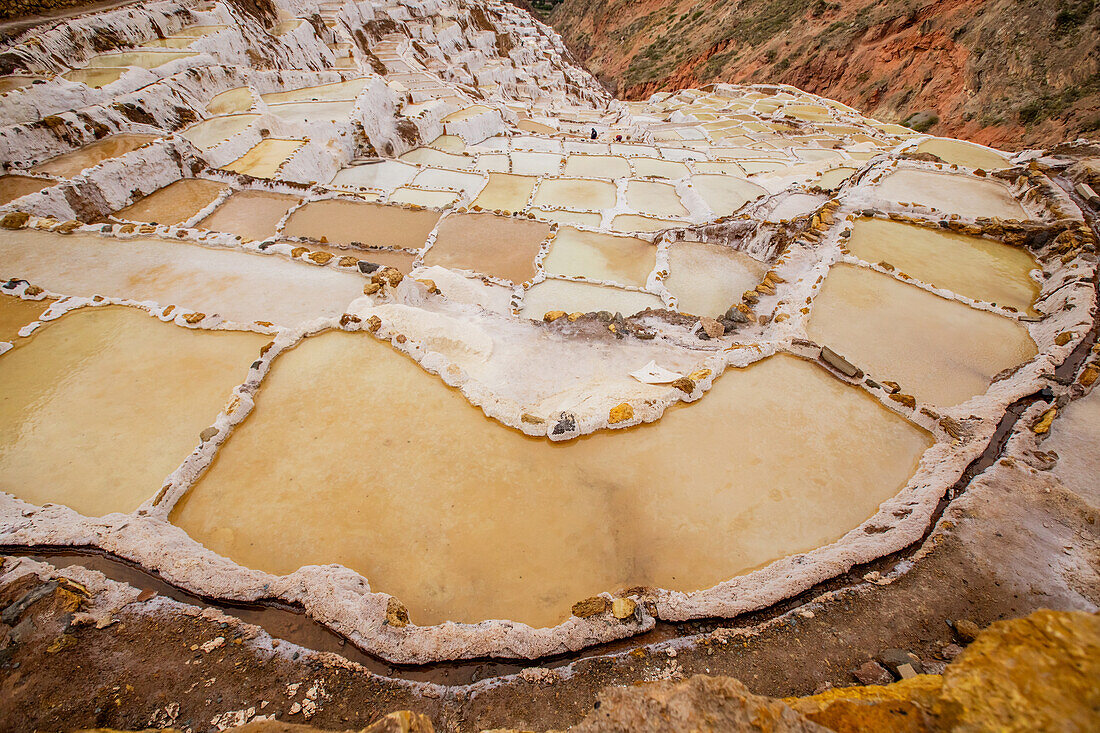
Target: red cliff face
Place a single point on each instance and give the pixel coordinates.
(1008, 73)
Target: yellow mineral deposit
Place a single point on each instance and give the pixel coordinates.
(527, 527)
(939, 350)
(96, 384)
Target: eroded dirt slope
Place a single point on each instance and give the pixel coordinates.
(1002, 72)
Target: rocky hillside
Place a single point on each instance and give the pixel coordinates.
(1010, 73)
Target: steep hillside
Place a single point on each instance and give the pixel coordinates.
(1004, 72)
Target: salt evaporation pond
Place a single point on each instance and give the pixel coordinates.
(70, 164)
(585, 194)
(597, 256)
(707, 279)
(351, 222)
(939, 350)
(97, 384)
(95, 78)
(236, 285)
(494, 245)
(14, 186)
(175, 203)
(16, 313)
(951, 193)
(251, 214)
(528, 527)
(320, 93)
(960, 152)
(217, 130)
(265, 158)
(505, 192)
(582, 297)
(977, 268)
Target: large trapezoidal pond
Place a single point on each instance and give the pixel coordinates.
(386, 470)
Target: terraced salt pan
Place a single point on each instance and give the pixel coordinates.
(70, 164)
(438, 159)
(977, 268)
(15, 186)
(528, 527)
(831, 179)
(144, 59)
(939, 350)
(725, 194)
(386, 175)
(348, 222)
(251, 214)
(707, 279)
(536, 164)
(175, 203)
(658, 199)
(493, 245)
(568, 217)
(423, 197)
(16, 82)
(466, 114)
(264, 159)
(597, 166)
(596, 256)
(794, 206)
(230, 102)
(656, 168)
(16, 313)
(575, 193)
(571, 296)
(304, 113)
(953, 194)
(467, 183)
(448, 144)
(505, 192)
(960, 152)
(97, 385)
(236, 285)
(95, 78)
(635, 223)
(321, 93)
